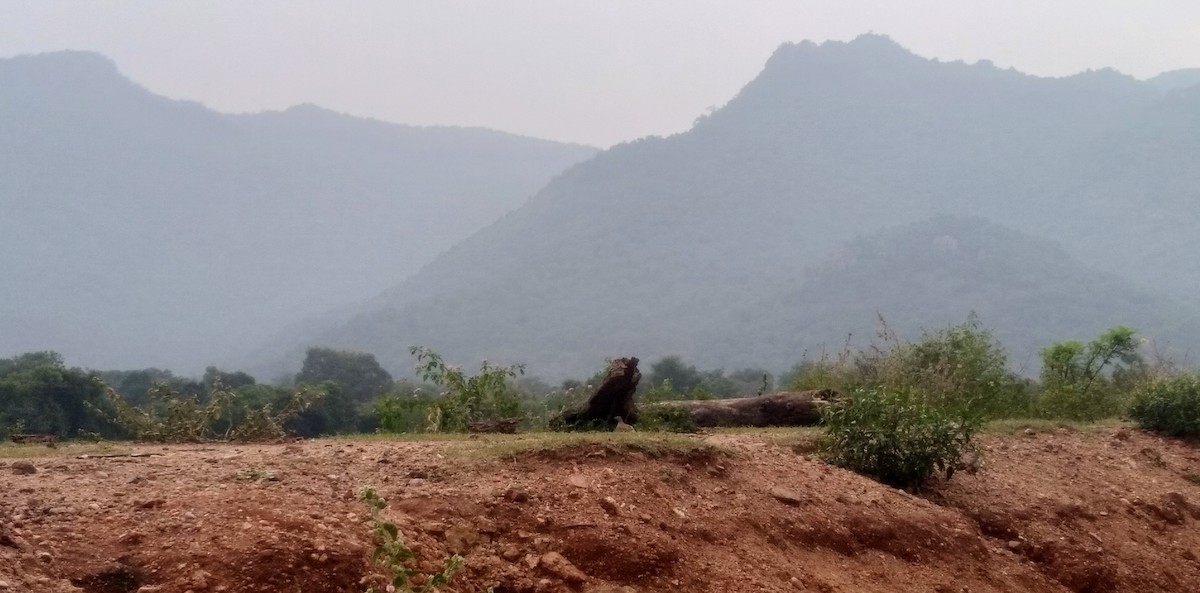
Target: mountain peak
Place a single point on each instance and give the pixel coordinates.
(59, 64)
(866, 49)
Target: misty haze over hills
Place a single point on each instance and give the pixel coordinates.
(139, 231)
(846, 180)
(1074, 203)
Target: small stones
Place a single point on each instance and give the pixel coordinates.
(788, 497)
(555, 564)
(511, 553)
(461, 538)
(609, 504)
(23, 468)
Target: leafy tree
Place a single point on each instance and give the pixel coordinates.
(752, 381)
(1076, 377)
(39, 394)
(232, 380)
(360, 376)
(683, 377)
(135, 385)
(335, 413)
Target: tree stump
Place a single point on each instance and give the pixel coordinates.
(788, 408)
(613, 398)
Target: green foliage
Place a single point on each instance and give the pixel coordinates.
(683, 377)
(234, 380)
(359, 374)
(661, 392)
(135, 385)
(839, 373)
(666, 419)
(396, 558)
(39, 394)
(689, 383)
(1170, 405)
(401, 412)
(1075, 385)
(488, 395)
(961, 368)
(895, 435)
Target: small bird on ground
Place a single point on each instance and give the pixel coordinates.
(622, 427)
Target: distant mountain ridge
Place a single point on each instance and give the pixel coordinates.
(141, 231)
(664, 245)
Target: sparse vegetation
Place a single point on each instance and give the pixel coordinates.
(468, 398)
(666, 418)
(171, 417)
(961, 367)
(396, 558)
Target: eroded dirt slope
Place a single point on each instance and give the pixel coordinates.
(1059, 511)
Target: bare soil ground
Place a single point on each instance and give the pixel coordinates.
(1112, 509)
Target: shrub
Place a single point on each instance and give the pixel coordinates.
(402, 412)
(488, 395)
(1170, 405)
(961, 367)
(666, 419)
(895, 436)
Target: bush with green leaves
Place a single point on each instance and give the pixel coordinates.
(1169, 405)
(961, 367)
(1077, 378)
(403, 411)
(895, 435)
(488, 395)
(395, 557)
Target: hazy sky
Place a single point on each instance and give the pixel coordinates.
(598, 72)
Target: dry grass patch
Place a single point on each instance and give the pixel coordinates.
(69, 449)
(568, 445)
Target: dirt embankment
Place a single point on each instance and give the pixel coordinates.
(1111, 511)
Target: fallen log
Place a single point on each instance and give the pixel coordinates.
(612, 400)
(787, 408)
(45, 439)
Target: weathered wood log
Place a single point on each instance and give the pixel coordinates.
(612, 400)
(46, 439)
(787, 408)
(502, 425)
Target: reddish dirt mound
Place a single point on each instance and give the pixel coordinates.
(1049, 512)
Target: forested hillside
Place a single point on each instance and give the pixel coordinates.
(140, 231)
(705, 243)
